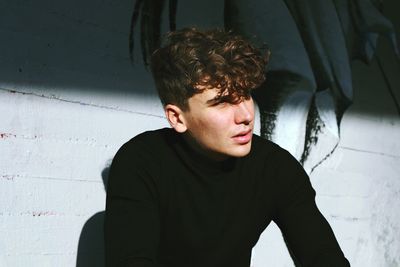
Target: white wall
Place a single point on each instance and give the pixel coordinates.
(66, 107)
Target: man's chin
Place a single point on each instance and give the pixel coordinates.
(241, 150)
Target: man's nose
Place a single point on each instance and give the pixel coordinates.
(244, 112)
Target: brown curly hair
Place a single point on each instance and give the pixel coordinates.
(192, 60)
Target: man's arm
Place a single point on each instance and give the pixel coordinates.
(308, 235)
(131, 218)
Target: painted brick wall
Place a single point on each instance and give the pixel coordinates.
(69, 98)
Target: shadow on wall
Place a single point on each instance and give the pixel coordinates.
(91, 241)
(72, 47)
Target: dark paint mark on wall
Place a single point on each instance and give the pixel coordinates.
(7, 135)
(40, 213)
(325, 47)
(43, 213)
(8, 177)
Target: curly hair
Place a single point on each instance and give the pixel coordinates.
(191, 61)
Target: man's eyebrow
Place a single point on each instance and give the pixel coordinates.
(216, 100)
(212, 102)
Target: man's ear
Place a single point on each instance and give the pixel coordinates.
(175, 118)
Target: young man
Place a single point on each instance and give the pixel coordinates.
(201, 193)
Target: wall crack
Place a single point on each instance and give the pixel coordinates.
(54, 97)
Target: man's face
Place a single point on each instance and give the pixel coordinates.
(220, 130)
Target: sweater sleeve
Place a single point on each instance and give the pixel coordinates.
(310, 239)
(131, 225)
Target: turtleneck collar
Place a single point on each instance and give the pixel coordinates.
(198, 161)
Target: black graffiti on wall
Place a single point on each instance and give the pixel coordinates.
(313, 44)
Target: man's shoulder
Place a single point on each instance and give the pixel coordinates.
(150, 138)
(151, 135)
(263, 145)
(287, 170)
(147, 142)
(267, 149)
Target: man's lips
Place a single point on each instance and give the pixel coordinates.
(243, 137)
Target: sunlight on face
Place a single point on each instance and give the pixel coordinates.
(222, 130)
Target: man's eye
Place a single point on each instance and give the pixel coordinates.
(222, 103)
(217, 103)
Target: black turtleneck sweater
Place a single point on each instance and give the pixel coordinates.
(168, 206)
